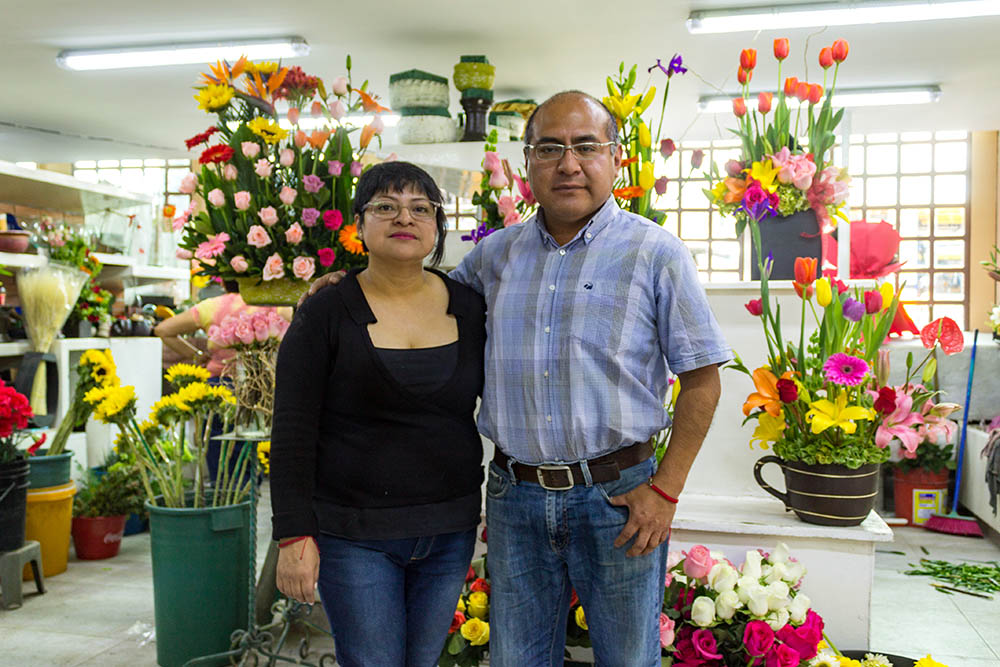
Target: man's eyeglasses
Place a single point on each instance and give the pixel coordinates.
(587, 150)
(386, 209)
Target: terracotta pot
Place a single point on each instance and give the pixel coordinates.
(14, 240)
(824, 494)
(95, 538)
(927, 487)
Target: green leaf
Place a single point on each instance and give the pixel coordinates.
(929, 370)
(456, 643)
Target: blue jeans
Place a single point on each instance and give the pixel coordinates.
(391, 602)
(542, 545)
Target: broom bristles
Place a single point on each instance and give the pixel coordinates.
(954, 524)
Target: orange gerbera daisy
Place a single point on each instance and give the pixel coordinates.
(348, 238)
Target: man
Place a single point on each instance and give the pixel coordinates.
(587, 308)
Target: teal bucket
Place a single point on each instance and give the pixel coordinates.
(201, 579)
(46, 471)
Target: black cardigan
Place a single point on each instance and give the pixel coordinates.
(355, 454)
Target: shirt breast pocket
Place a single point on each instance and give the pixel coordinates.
(597, 316)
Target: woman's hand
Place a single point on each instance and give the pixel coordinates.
(298, 570)
(320, 283)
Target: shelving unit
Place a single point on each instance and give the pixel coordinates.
(124, 270)
(37, 188)
(458, 155)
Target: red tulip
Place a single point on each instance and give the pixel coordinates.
(739, 107)
(743, 76)
(764, 102)
(754, 307)
(781, 48)
(748, 58)
(826, 57)
(802, 91)
(839, 50)
(815, 93)
(873, 301)
(667, 148)
(790, 84)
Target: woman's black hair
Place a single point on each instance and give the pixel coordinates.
(231, 286)
(395, 177)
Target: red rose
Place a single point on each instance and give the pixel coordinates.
(704, 644)
(758, 637)
(886, 401)
(480, 585)
(754, 195)
(787, 391)
(326, 256)
(470, 575)
(456, 622)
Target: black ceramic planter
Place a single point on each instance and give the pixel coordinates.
(786, 238)
(828, 495)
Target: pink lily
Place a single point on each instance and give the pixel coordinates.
(936, 422)
(527, 196)
(897, 425)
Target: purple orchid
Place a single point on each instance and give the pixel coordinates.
(676, 66)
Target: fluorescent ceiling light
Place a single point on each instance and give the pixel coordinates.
(782, 17)
(182, 54)
(841, 98)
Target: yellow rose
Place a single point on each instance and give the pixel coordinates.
(476, 631)
(581, 618)
(479, 604)
(461, 605)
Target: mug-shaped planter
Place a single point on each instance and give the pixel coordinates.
(824, 494)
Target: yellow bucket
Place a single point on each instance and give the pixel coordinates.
(48, 520)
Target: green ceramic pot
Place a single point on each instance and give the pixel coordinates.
(280, 292)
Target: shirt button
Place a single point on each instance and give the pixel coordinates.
(552, 288)
(589, 235)
(546, 374)
(548, 418)
(546, 329)
(562, 252)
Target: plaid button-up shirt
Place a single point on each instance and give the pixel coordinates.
(580, 338)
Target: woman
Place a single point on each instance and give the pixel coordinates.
(376, 461)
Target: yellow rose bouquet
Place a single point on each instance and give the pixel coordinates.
(469, 634)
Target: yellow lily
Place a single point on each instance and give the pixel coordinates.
(887, 294)
(645, 139)
(646, 177)
(675, 390)
(823, 292)
(646, 100)
(825, 414)
(768, 430)
(719, 191)
(765, 173)
(621, 107)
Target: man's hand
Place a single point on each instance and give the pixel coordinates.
(649, 519)
(298, 570)
(320, 283)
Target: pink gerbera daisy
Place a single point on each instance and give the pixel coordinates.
(845, 370)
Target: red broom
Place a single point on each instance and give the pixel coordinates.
(952, 522)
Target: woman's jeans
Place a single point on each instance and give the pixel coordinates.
(542, 545)
(391, 602)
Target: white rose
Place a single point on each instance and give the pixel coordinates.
(745, 588)
(726, 605)
(703, 611)
(777, 620)
(780, 553)
(722, 577)
(777, 595)
(757, 604)
(751, 566)
(797, 610)
(778, 572)
(794, 571)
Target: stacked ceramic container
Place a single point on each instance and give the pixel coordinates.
(421, 99)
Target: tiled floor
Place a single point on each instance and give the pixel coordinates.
(88, 616)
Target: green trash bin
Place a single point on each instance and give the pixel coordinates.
(201, 579)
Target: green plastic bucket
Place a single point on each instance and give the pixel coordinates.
(201, 572)
(46, 471)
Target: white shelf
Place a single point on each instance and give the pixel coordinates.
(20, 260)
(125, 270)
(15, 348)
(460, 155)
(39, 188)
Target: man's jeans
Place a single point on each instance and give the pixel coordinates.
(391, 602)
(542, 545)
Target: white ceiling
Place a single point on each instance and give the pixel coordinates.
(538, 48)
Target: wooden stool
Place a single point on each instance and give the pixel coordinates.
(12, 565)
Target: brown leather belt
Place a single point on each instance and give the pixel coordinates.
(559, 477)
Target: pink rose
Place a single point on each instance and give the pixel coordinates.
(312, 183)
(698, 562)
(294, 234)
(310, 216)
(782, 655)
(244, 331)
(286, 157)
(183, 253)
(339, 86)
(250, 149)
(276, 324)
(216, 197)
(803, 639)
(263, 168)
(188, 184)
(268, 215)
(293, 115)
(260, 331)
(356, 169)
(229, 172)
(303, 267)
(239, 264)
(758, 637)
(505, 205)
(316, 109)
(274, 267)
(338, 110)
(666, 631)
(332, 220)
(287, 195)
(704, 644)
(335, 167)
(498, 180)
(377, 124)
(242, 200)
(326, 256)
(258, 236)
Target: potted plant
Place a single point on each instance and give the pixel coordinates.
(14, 470)
(277, 203)
(101, 507)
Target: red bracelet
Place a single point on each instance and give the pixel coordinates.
(282, 545)
(660, 491)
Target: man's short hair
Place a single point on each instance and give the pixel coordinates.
(611, 128)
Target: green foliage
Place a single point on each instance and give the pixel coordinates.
(117, 492)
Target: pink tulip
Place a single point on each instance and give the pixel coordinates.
(294, 234)
(338, 110)
(242, 200)
(303, 267)
(378, 125)
(286, 157)
(293, 115)
(498, 180)
(317, 109)
(339, 86)
(660, 185)
(239, 264)
(334, 167)
(492, 162)
(274, 268)
(188, 184)
(216, 197)
(300, 140)
(667, 148)
(250, 149)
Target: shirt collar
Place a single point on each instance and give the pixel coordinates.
(588, 232)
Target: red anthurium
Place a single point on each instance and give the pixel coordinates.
(826, 57)
(781, 48)
(902, 322)
(945, 331)
(748, 58)
(37, 445)
(839, 50)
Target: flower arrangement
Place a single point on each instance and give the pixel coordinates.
(634, 187)
(776, 171)
(96, 369)
(500, 204)
(828, 656)
(276, 201)
(15, 411)
(469, 634)
(255, 337)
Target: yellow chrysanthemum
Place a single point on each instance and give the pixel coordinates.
(581, 617)
(875, 660)
(348, 238)
(117, 404)
(181, 375)
(214, 97)
(928, 661)
(267, 130)
(476, 631)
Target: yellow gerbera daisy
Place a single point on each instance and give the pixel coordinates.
(267, 130)
(214, 97)
(348, 238)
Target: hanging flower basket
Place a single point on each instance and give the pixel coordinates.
(280, 292)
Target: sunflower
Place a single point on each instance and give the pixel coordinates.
(181, 375)
(348, 238)
(214, 97)
(264, 456)
(267, 130)
(168, 410)
(118, 405)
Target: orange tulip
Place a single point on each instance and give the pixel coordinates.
(300, 138)
(805, 275)
(764, 102)
(739, 107)
(839, 50)
(630, 192)
(748, 58)
(767, 395)
(815, 93)
(781, 48)
(743, 75)
(790, 85)
(318, 138)
(802, 91)
(826, 57)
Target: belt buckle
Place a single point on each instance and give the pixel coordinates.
(541, 478)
